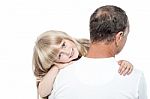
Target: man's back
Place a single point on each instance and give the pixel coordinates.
(97, 79)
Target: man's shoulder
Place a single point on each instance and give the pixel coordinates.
(136, 73)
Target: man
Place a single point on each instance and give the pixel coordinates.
(95, 76)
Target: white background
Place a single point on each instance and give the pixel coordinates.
(21, 21)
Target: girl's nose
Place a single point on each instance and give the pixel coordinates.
(66, 52)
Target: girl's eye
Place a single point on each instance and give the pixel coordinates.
(63, 45)
(59, 55)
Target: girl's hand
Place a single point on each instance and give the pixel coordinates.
(125, 67)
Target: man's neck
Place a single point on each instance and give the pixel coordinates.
(101, 50)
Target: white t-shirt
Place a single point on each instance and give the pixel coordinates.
(90, 78)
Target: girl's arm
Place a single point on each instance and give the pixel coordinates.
(46, 84)
(125, 67)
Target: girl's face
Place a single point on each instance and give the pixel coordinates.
(67, 51)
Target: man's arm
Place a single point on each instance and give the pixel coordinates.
(142, 89)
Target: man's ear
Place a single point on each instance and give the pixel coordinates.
(118, 38)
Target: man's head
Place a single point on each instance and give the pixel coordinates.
(109, 24)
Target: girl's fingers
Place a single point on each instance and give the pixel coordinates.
(125, 67)
(126, 71)
(119, 62)
(122, 68)
(130, 70)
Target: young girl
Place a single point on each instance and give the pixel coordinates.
(55, 50)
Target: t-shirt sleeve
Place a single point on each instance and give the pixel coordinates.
(142, 89)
